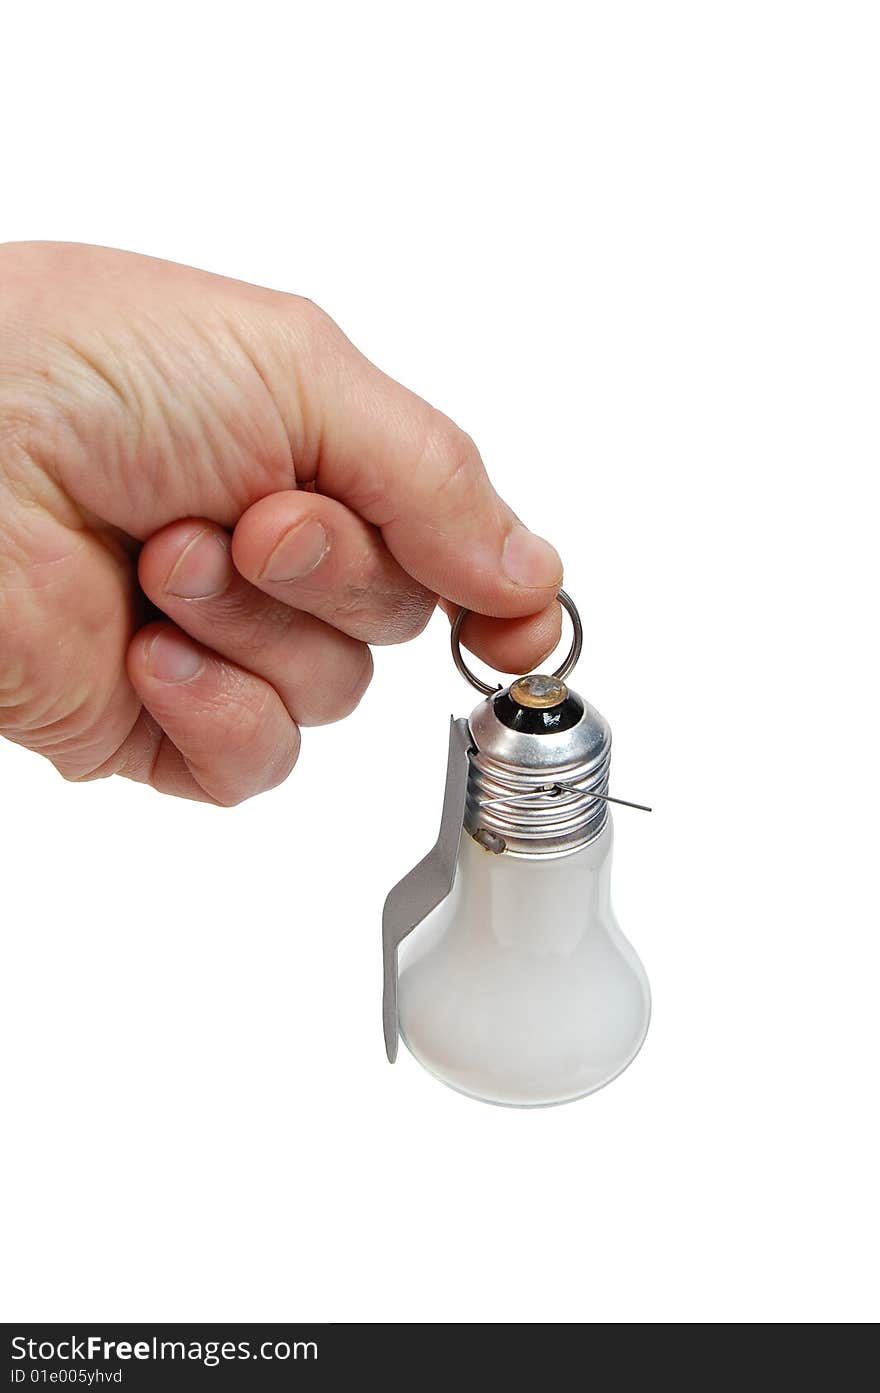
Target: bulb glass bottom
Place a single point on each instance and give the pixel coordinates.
(520, 988)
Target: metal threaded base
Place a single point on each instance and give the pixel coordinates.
(535, 776)
(535, 812)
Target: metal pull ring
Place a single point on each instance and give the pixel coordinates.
(574, 652)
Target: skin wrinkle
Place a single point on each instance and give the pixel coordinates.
(218, 435)
(168, 753)
(70, 725)
(311, 432)
(100, 374)
(273, 622)
(82, 701)
(358, 686)
(406, 619)
(134, 756)
(153, 413)
(12, 676)
(84, 704)
(369, 498)
(149, 409)
(276, 450)
(127, 422)
(312, 338)
(250, 356)
(463, 458)
(145, 407)
(157, 752)
(238, 696)
(74, 425)
(280, 346)
(114, 762)
(31, 486)
(244, 700)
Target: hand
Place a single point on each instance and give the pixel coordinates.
(222, 452)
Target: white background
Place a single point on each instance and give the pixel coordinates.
(633, 249)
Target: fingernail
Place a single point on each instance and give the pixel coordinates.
(528, 560)
(298, 552)
(172, 659)
(202, 569)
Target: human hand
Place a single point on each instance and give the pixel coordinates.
(222, 451)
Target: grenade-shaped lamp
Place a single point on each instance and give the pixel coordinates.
(505, 970)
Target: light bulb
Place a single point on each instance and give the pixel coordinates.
(517, 985)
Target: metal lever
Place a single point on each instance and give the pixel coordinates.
(428, 883)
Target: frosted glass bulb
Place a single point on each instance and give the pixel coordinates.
(520, 988)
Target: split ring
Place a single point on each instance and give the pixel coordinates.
(574, 652)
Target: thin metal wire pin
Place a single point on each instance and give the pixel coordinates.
(564, 788)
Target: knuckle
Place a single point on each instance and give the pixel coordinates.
(260, 765)
(348, 692)
(360, 680)
(396, 615)
(453, 457)
(278, 764)
(413, 614)
(34, 428)
(314, 323)
(14, 693)
(343, 691)
(238, 708)
(354, 609)
(282, 763)
(255, 628)
(84, 776)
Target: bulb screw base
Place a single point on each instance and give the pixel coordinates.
(537, 790)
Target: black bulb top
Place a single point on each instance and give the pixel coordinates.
(538, 706)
